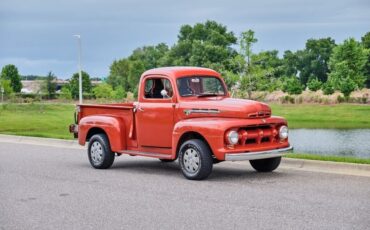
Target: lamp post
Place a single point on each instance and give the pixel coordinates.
(79, 67)
(2, 95)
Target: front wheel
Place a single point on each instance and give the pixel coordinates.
(195, 159)
(266, 165)
(99, 152)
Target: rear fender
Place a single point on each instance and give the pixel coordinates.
(113, 127)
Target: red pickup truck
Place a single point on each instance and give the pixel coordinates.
(183, 113)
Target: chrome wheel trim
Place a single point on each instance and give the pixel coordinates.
(191, 160)
(96, 152)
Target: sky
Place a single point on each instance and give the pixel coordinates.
(37, 35)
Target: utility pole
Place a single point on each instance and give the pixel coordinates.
(79, 67)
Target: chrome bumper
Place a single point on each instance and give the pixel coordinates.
(257, 155)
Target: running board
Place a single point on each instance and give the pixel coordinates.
(146, 154)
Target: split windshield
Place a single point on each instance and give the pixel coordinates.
(200, 86)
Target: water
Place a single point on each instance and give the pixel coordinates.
(353, 142)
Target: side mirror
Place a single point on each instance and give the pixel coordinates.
(164, 93)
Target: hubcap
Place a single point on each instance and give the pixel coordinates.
(96, 153)
(191, 160)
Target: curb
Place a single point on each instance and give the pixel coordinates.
(286, 163)
(327, 167)
(40, 141)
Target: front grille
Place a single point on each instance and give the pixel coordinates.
(258, 135)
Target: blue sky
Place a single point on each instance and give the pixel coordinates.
(36, 35)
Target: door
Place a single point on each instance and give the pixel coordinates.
(155, 114)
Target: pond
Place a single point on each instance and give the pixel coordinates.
(352, 142)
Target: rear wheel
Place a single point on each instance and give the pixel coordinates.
(99, 152)
(195, 159)
(266, 165)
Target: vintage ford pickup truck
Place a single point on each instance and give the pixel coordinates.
(183, 113)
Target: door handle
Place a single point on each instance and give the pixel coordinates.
(136, 108)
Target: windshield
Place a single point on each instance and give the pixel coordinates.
(200, 86)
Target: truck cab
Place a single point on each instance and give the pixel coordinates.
(184, 113)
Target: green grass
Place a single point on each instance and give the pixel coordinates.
(339, 116)
(329, 158)
(39, 120)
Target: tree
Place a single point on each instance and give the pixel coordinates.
(366, 44)
(206, 44)
(347, 66)
(246, 42)
(5, 84)
(119, 74)
(290, 63)
(74, 84)
(269, 60)
(10, 72)
(50, 85)
(313, 60)
(125, 74)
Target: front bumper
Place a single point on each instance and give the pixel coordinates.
(257, 155)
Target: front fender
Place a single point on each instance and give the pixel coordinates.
(211, 130)
(112, 126)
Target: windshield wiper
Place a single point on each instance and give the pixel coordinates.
(208, 95)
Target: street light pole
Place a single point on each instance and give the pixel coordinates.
(79, 67)
(2, 95)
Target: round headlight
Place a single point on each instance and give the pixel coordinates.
(232, 137)
(283, 132)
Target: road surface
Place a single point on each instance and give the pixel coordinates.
(44, 187)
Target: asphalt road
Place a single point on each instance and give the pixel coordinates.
(45, 187)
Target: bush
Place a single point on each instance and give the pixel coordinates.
(119, 93)
(103, 91)
(340, 99)
(314, 84)
(287, 99)
(347, 87)
(292, 86)
(65, 93)
(327, 88)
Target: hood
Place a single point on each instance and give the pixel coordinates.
(224, 107)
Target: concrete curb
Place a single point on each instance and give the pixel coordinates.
(327, 167)
(287, 163)
(40, 141)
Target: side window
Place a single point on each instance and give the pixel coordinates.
(159, 88)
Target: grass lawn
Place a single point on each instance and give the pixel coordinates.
(52, 120)
(39, 120)
(328, 158)
(339, 116)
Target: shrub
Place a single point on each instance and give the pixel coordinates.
(103, 91)
(314, 84)
(340, 99)
(292, 86)
(119, 93)
(287, 99)
(327, 88)
(65, 93)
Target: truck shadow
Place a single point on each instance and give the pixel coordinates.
(221, 171)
